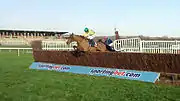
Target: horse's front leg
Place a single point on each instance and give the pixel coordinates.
(78, 49)
(75, 48)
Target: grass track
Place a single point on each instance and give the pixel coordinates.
(18, 83)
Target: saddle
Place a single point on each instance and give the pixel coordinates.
(91, 42)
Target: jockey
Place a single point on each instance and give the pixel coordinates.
(108, 42)
(90, 34)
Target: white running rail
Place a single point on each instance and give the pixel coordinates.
(57, 45)
(29, 50)
(147, 46)
(46, 45)
(127, 45)
(17, 49)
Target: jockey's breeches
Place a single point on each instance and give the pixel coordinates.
(91, 37)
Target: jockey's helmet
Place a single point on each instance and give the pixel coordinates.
(86, 29)
(105, 37)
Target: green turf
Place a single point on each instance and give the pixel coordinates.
(18, 83)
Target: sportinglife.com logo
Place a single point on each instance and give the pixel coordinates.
(115, 73)
(53, 67)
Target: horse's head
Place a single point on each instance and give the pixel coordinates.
(70, 39)
(76, 38)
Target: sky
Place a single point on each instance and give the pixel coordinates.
(130, 17)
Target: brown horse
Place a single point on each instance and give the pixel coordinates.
(83, 44)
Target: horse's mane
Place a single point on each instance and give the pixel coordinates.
(82, 37)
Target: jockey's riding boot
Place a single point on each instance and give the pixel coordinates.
(92, 43)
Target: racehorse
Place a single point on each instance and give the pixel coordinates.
(83, 44)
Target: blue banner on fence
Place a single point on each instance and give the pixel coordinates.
(99, 71)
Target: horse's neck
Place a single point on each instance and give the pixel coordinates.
(81, 42)
(80, 39)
